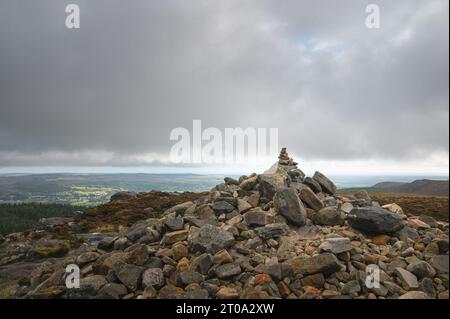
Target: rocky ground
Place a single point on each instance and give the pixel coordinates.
(278, 234)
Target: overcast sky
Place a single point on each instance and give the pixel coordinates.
(344, 98)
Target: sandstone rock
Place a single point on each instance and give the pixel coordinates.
(227, 293)
(174, 237)
(325, 263)
(288, 204)
(374, 220)
(210, 239)
(243, 206)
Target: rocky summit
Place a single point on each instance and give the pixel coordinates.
(279, 234)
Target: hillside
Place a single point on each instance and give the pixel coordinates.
(278, 234)
(418, 187)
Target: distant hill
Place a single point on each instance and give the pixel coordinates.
(418, 187)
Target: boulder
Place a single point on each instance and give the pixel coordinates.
(288, 204)
(421, 269)
(374, 220)
(313, 184)
(270, 183)
(326, 184)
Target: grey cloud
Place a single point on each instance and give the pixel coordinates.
(133, 72)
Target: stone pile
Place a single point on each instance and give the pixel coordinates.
(278, 234)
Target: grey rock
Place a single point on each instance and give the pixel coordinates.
(228, 270)
(421, 269)
(336, 245)
(178, 209)
(94, 282)
(129, 275)
(153, 277)
(374, 220)
(329, 216)
(288, 204)
(270, 183)
(414, 295)
(440, 263)
(112, 290)
(189, 277)
(313, 184)
(202, 263)
(326, 184)
(210, 239)
(272, 230)
(222, 207)
(407, 279)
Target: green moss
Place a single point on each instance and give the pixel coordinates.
(7, 287)
(54, 251)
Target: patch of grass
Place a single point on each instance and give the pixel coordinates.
(7, 287)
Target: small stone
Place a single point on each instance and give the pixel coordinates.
(189, 277)
(227, 293)
(228, 270)
(243, 206)
(336, 245)
(421, 269)
(153, 277)
(256, 218)
(222, 257)
(173, 237)
(407, 279)
(272, 230)
(316, 280)
(351, 287)
(113, 290)
(202, 263)
(440, 263)
(414, 295)
(210, 239)
(325, 263)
